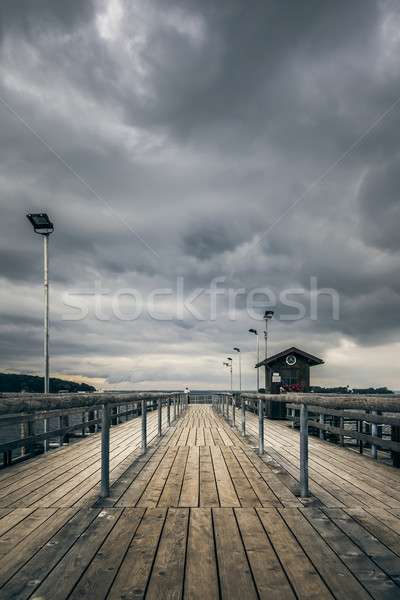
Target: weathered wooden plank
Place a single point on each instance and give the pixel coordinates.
(244, 491)
(152, 493)
(261, 488)
(62, 579)
(32, 543)
(140, 482)
(13, 536)
(208, 487)
(379, 530)
(201, 577)
(382, 556)
(234, 570)
(173, 485)
(270, 579)
(301, 573)
(134, 572)
(13, 518)
(371, 577)
(340, 581)
(191, 480)
(166, 580)
(101, 572)
(226, 490)
(26, 580)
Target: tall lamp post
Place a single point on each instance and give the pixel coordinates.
(258, 357)
(42, 225)
(267, 316)
(240, 370)
(229, 364)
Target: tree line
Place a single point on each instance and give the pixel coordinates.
(14, 382)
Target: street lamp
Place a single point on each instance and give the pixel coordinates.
(42, 224)
(258, 356)
(229, 364)
(240, 369)
(267, 316)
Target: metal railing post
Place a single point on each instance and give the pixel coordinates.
(227, 407)
(233, 411)
(261, 426)
(243, 417)
(174, 408)
(169, 412)
(374, 433)
(144, 426)
(303, 450)
(322, 421)
(159, 417)
(105, 451)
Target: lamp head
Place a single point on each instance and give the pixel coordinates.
(41, 223)
(229, 358)
(268, 314)
(253, 331)
(237, 349)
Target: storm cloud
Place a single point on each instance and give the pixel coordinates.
(201, 161)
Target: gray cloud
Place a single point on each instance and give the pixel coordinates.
(171, 141)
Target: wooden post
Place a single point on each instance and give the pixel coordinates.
(63, 423)
(303, 451)
(169, 412)
(227, 407)
(293, 416)
(91, 417)
(174, 408)
(341, 425)
(144, 427)
(243, 417)
(233, 411)
(105, 451)
(261, 426)
(395, 437)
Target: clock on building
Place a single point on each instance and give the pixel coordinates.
(291, 359)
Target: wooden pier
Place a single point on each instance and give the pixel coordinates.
(201, 516)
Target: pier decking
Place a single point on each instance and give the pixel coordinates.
(200, 516)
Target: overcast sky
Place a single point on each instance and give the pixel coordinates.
(202, 161)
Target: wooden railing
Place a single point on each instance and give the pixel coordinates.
(361, 407)
(97, 411)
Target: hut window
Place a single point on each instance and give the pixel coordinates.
(290, 376)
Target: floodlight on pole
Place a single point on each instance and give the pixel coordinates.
(267, 316)
(258, 357)
(229, 364)
(240, 369)
(42, 225)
